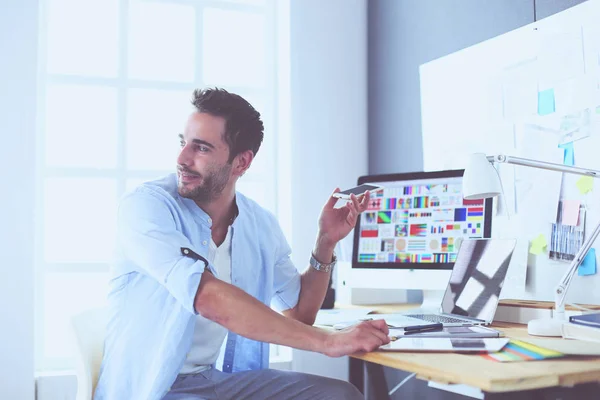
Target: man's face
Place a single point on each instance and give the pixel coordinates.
(202, 168)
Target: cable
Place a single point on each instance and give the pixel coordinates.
(401, 383)
(503, 195)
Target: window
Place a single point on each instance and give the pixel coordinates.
(116, 78)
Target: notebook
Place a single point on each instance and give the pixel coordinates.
(457, 345)
(450, 332)
(580, 332)
(592, 319)
(473, 291)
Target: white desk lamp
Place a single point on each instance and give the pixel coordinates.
(481, 180)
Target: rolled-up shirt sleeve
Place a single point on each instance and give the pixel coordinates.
(286, 279)
(148, 236)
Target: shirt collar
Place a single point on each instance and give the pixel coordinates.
(201, 216)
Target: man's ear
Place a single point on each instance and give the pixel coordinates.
(242, 162)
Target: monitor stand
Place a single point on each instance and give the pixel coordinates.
(432, 300)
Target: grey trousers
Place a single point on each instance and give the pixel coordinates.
(261, 384)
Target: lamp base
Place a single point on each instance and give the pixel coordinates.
(545, 327)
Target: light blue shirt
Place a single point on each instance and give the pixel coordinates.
(153, 285)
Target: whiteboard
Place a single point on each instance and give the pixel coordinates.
(515, 94)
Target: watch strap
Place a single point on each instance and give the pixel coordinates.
(324, 267)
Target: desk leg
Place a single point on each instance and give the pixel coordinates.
(377, 384)
(356, 373)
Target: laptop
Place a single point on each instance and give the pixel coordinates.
(473, 291)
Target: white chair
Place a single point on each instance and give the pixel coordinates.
(89, 329)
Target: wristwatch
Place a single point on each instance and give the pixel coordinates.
(319, 266)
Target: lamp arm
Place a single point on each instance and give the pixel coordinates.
(501, 158)
(561, 290)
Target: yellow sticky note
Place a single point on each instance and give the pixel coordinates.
(585, 184)
(538, 244)
(536, 250)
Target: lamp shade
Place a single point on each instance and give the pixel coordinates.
(480, 179)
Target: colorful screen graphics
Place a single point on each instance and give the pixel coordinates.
(418, 221)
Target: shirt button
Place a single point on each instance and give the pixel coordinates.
(210, 220)
(186, 251)
(204, 242)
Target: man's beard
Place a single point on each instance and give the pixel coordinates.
(212, 185)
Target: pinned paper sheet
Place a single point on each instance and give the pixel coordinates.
(546, 103)
(520, 90)
(575, 94)
(588, 266)
(538, 245)
(570, 212)
(516, 276)
(585, 184)
(560, 53)
(575, 126)
(569, 127)
(537, 190)
(569, 158)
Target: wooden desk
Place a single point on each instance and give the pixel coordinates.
(493, 378)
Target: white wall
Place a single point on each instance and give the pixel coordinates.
(328, 108)
(18, 71)
(328, 46)
(404, 34)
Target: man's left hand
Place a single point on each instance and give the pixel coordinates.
(336, 223)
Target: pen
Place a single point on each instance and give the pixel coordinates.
(409, 330)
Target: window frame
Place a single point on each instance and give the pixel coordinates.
(270, 93)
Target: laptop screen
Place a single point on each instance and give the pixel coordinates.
(477, 277)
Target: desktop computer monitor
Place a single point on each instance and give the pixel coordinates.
(410, 233)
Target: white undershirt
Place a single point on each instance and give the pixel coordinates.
(208, 335)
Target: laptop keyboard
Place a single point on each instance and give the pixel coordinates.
(436, 318)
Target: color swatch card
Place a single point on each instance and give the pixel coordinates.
(517, 350)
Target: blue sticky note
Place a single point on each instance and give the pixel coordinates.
(546, 103)
(569, 158)
(588, 266)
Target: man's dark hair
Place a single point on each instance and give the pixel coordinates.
(243, 126)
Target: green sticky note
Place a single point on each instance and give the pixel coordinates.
(536, 250)
(585, 184)
(538, 245)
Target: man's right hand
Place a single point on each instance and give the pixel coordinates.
(364, 337)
